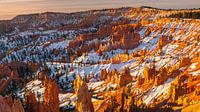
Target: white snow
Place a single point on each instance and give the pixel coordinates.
(93, 85)
(59, 45)
(195, 73)
(193, 66)
(157, 91)
(67, 99)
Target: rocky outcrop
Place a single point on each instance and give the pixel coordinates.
(4, 84)
(163, 40)
(83, 102)
(104, 30)
(125, 78)
(148, 31)
(103, 74)
(4, 107)
(192, 108)
(120, 78)
(185, 61)
(13, 71)
(173, 93)
(41, 75)
(51, 100)
(87, 37)
(121, 37)
(4, 70)
(7, 104)
(121, 101)
(32, 105)
(126, 36)
(8, 100)
(17, 106)
(74, 43)
(139, 81)
(130, 40)
(89, 20)
(140, 53)
(161, 77)
(182, 88)
(149, 74)
(14, 75)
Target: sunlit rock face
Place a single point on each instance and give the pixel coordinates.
(51, 91)
(83, 102)
(121, 100)
(125, 78)
(125, 35)
(130, 40)
(185, 61)
(149, 74)
(163, 40)
(121, 78)
(103, 74)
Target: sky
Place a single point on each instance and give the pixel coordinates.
(11, 8)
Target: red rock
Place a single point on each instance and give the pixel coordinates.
(14, 74)
(5, 70)
(41, 75)
(126, 36)
(103, 74)
(32, 105)
(125, 78)
(149, 74)
(83, 103)
(104, 30)
(161, 77)
(139, 81)
(6, 105)
(130, 40)
(51, 100)
(8, 100)
(148, 31)
(120, 78)
(4, 84)
(163, 40)
(87, 37)
(185, 62)
(17, 106)
(120, 101)
(74, 43)
(88, 21)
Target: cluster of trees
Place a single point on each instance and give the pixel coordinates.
(193, 15)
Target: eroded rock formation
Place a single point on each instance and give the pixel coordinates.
(163, 40)
(120, 78)
(121, 101)
(32, 105)
(125, 78)
(83, 103)
(125, 35)
(149, 74)
(7, 104)
(130, 40)
(51, 100)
